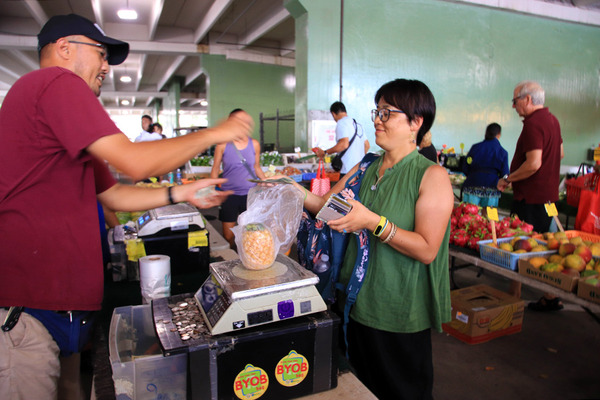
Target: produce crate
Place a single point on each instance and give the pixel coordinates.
(297, 178)
(575, 185)
(308, 176)
(507, 259)
(590, 237)
(333, 176)
(586, 290)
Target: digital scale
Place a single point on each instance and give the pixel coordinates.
(234, 298)
(176, 217)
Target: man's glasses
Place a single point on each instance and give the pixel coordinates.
(383, 114)
(104, 52)
(514, 101)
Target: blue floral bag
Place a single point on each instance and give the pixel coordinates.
(315, 238)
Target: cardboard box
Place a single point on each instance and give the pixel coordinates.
(481, 313)
(558, 279)
(587, 291)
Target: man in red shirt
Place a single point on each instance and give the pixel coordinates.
(535, 168)
(54, 140)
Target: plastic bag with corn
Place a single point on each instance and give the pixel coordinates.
(269, 225)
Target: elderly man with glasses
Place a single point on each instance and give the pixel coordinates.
(535, 168)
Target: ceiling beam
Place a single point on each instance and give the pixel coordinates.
(192, 76)
(97, 12)
(24, 59)
(155, 12)
(264, 27)
(210, 19)
(36, 11)
(170, 72)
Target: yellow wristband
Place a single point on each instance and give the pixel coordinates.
(380, 226)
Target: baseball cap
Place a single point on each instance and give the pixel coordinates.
(65, 25)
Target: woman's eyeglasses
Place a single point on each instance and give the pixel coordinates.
(383, 114)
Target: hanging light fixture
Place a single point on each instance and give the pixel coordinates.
(127, 13)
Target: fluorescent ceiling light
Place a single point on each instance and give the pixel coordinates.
(127, 14)
(204, 103)
(125, 102)
(125, 79)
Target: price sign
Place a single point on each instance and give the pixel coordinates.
(551, 209)
(492, 213)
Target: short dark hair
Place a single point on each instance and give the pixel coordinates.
(147, 116)
(414, 98)
(492, 131)
(337, 107)
(235, 110)
(157, 125)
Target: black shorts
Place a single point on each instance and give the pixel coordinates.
(534, 214)
(232, 208)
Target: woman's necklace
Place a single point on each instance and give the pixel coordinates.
(374, 186)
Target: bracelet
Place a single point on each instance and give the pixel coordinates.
(380, 226)
(391, 235)
(170, 193)
(305, 193)
(505, 177)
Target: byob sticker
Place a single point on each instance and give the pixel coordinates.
(291, 369)
(251, 383)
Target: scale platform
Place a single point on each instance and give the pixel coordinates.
(234, 297)
(176, 217)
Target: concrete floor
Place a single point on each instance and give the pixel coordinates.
(555, 356)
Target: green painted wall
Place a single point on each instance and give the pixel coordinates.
(253, 87)
(471, 57)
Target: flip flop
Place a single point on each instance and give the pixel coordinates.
(544, 304)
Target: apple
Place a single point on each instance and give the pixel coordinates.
(595, 249)
(566, 249)
(560, 236)
(555, 258)
(505, 246)
(522, 244)
(584, 252)
(552, 267)
(538, 248)
(574, 261)
(576, 240)
(554, 244)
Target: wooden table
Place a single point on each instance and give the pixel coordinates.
(515, 276)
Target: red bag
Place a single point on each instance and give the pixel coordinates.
(588, 212)
(320, 185)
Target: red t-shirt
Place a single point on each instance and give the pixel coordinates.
(50, 251)
(541, 130)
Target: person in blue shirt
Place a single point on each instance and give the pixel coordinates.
(486, 162)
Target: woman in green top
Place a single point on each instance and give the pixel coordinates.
(406, 202)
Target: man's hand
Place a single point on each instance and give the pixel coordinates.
(201, 193)
(319, 152)
(238, 126)
(502, 185)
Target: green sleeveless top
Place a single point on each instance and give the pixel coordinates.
(399, 293)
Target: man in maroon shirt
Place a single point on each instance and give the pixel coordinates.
(54, 140)
(535, 168)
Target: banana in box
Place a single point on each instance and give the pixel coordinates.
(481, 313)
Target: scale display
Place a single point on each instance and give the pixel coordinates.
(234, 297)
(175, 217)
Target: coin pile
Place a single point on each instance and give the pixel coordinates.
(187, 319)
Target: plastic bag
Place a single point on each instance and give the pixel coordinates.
(278, 209)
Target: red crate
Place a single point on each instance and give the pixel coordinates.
(575, 185)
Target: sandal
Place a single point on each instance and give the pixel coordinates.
(544, 304)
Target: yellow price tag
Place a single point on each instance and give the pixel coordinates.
(135, 249)
(551, 209)
(198, 239)
(492, 213)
